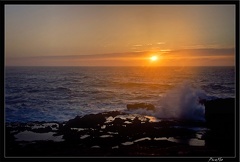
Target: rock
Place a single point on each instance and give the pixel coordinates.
(91, 120)
(148, 138)
(140, 106)
(42, 130)
(87, 121)
(219, 113)
(118, 121)
(136, 121)
(112, 113)
(220, 118)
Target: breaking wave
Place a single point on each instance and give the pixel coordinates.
(182, 102)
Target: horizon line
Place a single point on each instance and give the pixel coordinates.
(117, 66)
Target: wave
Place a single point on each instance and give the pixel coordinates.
(162, 86)
(182, 102)
(220, 87)
(61, 89)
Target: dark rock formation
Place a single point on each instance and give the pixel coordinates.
(42, 130)
(91, 120)
(140, 106)
(219, 113)
(220, 118)
(93, 135)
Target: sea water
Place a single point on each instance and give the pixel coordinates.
(61, 93)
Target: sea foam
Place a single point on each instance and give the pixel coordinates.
(182, 102)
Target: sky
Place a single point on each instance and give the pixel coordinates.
(119, 35)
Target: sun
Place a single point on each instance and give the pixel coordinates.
(153, 58)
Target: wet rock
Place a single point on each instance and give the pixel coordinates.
(220, 118)
(55, 126)
(140, 106)
(136, 121)
(82, 134)
(42, 130)
(118, 121)
(219, 113)
(112, 113)
(86, 121)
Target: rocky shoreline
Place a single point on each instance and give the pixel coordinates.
(118, 133)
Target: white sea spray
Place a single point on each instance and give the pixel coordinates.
(183, 103)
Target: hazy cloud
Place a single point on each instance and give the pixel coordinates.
(159, 43)
(209, 46)
(137, 45)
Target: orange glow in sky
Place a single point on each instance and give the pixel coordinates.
(120, 35)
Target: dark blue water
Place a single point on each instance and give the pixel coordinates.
(61, 93)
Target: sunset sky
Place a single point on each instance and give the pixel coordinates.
(119, 35)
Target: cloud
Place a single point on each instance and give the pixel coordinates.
(203, 52)
(181, 57)
(115, 59)
(160, 43)
(209, 46)
(165, 50)
(137, 45)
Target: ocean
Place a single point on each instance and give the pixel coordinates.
(62, 93)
